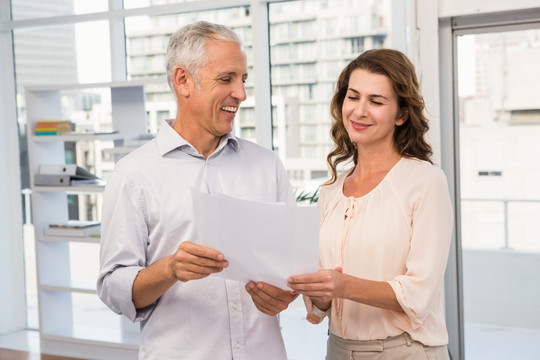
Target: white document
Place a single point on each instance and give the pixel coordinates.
(261, 241)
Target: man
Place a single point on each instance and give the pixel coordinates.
(152, 269)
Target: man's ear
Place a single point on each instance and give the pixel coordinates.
(402, 116)
(182, 81)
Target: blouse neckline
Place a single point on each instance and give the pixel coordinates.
(372, 190)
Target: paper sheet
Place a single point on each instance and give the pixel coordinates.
(262, 241)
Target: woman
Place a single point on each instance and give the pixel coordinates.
(386, 223)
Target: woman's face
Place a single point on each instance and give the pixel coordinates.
(370, 109)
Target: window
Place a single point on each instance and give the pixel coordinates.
(146, 45)
(498, 131)
(307, 54)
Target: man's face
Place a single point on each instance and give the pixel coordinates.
(214, 102)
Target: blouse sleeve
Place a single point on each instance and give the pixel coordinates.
(420, 288)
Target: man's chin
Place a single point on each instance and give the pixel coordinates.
(226, 129)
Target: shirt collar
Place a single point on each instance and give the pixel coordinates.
(168, 140)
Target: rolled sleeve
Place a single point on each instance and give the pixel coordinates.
(115, 290)
(123, 247)
(314, 314)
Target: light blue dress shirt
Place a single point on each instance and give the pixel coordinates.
(147, 212)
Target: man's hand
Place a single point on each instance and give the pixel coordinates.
(191, 261)
(270, 299)
(194, 261)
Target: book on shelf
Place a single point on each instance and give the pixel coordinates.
(65, 175)
(53, 127)
(74, 228)
(64, 127)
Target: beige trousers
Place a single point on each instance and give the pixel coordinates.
(400, 347)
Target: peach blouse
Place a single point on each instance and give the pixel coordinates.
(400, 232)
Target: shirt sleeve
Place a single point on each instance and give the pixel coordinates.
(418, 290)
(284, 190)
(123, 246)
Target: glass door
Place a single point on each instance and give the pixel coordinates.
(498, 73)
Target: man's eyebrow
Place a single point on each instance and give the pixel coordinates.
(232, 73)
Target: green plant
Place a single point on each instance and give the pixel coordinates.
(307, 196)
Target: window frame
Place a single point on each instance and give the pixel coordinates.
(450, 28)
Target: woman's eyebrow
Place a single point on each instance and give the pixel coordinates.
(371, 95)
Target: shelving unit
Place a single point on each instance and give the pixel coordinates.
(64, 329)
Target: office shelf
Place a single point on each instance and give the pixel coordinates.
(73, 320)
(75, 189)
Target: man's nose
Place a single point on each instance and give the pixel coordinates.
(239, 91)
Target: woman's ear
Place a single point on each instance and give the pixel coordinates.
(402, 116)
(182, 80)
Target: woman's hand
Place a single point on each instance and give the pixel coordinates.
(321, 287)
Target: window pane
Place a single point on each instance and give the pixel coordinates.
(60, 55)
(307, 53)
(311, 41)
(93, 52)
(45, 56)
(29, 9)
(499, 128)
(146, 44)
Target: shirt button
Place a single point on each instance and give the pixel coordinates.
(237, 344)
(234, 307)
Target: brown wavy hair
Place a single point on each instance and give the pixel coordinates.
(408, 138)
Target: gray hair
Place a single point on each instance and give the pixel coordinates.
(187, 47)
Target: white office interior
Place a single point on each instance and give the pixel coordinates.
(492, 283)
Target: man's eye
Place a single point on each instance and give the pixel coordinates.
(226, 79)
